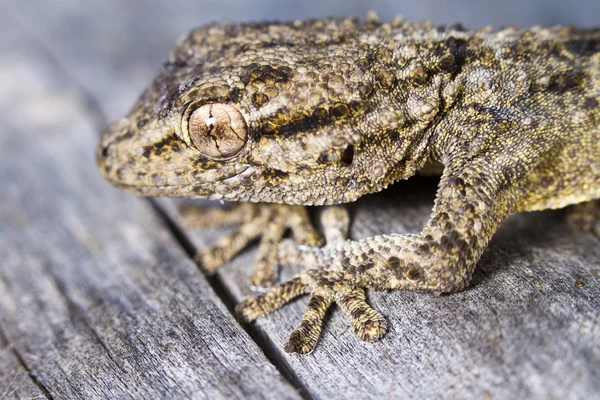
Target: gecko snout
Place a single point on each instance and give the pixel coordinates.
(109, 153)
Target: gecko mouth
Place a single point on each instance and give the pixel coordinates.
(165, 190)
(144, 189)
(141, 180)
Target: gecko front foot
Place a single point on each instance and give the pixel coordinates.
(366, 323)
(324, 289)
(269, 222)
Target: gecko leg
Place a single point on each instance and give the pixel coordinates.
(269, 222)
(469, 207)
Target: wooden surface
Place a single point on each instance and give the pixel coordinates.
(99, 299)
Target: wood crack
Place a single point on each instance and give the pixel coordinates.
(262, 341)
(98, 120)
(22, 363)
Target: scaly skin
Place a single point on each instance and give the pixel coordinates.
(323, 112)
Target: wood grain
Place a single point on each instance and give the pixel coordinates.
(97, 298)
(15, 382)
(89, 261)
(528, 327)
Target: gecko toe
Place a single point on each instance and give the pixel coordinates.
(263, 277)
(304, 338)
(256, 306)
(209, 259)
(301, 341)
(367, 323)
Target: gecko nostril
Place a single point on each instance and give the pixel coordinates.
(105, 150)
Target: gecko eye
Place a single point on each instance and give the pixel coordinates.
(218, 131)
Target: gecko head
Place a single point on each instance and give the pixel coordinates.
(270, 113)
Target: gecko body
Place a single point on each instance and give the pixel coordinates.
(325, 111)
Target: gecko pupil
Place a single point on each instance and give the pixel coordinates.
(210, 123)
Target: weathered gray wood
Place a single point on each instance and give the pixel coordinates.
(15, 382)
(96, 296)
(528, 328)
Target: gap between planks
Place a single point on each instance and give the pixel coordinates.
(269, 349)
(21, 361)
(99, 121)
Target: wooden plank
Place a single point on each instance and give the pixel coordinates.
(96, 296)
(15, 382)
(528, 328)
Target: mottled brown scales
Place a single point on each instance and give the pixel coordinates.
(325, 111)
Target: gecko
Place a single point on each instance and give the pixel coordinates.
(282, 115)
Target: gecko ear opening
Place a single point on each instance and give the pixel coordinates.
(348, 155)
(217, 131)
